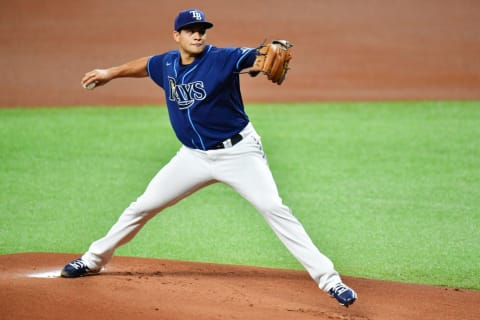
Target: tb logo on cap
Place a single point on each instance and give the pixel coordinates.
(190, 16)
(196, 15)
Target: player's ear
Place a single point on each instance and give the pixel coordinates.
(176, 36)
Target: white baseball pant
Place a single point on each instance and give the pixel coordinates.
(244, 168)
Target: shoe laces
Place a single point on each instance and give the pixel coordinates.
(340, 288)
(79, 264)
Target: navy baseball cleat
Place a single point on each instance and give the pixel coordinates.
(77, 268)
(344, 295)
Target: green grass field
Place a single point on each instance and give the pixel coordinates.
(387, 190)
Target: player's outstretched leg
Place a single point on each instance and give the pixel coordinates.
(251, 177)
(183, 175)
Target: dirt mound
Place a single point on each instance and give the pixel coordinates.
(139, 288)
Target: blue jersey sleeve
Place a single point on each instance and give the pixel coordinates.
(246, 59)
(155, 69)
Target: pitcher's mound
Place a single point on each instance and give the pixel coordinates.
(138, 288)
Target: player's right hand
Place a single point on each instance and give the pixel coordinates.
(98, 77)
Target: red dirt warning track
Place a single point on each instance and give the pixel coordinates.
(344, 50)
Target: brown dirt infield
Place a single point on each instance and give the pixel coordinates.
(344, 50)
(136, 288)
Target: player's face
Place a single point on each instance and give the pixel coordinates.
(191, 39)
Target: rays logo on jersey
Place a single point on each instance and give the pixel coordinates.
(186, 94)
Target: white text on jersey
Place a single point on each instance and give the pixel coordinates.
(186, 94)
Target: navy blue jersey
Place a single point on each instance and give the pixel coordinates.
(203, 98)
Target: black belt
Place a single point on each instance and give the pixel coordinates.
(228, 143)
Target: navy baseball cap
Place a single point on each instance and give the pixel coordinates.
(189, 17)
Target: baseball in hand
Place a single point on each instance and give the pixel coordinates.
(90, 86)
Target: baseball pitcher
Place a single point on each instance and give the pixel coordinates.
(219, 143)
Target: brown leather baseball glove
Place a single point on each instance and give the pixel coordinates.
(272, 60)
